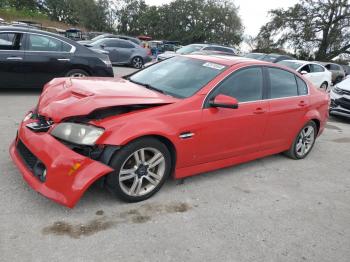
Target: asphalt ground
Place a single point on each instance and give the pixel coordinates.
(271, 209)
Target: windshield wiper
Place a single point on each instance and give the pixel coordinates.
(148, 86)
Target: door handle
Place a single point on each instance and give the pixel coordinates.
(63, 59)
(302, 104)
(259, 111)
(14, 58)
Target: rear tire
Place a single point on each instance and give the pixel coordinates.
(137, 62)
(324, 86)
(77, 73)
(304, 142)
(140, 170)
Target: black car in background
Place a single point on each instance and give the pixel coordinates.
(30, 58)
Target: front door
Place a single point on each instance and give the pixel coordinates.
(227, 133)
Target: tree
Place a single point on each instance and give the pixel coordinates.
(187, 21)
(318, 29)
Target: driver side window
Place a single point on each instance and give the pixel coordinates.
(245, 85)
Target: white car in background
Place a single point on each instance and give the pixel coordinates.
(340, 99)
(315, 73)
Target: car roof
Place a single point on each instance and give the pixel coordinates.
(226, 60)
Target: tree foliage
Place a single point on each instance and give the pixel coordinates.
(185, 20)
(318, 29)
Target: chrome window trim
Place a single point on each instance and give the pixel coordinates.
(73, 48)
(268, 99)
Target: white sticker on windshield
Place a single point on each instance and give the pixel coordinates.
(214, 66)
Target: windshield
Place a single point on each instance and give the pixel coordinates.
(290, 64)
(189, 49)
(179, 76)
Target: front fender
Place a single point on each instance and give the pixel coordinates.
(124, 134)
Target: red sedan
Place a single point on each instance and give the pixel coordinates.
(180, 117)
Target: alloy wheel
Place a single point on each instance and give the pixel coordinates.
(137, 62)
(305, 141)
(324, 86)
(142, 171)
(77, 75)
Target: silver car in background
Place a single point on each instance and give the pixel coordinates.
(122, 52)
(189, 49)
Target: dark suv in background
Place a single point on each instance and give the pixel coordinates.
(30, 58)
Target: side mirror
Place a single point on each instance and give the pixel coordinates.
(224, 102)
(304, 72)
(103, 46)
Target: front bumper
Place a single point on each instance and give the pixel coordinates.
(64, 184)
(340, 105)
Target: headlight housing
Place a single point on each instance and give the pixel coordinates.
(77, 133)
(337, 90)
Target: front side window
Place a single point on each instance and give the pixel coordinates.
(46, 44)
(282, 83)
(316, 68)
(306, 68)
(245, 85)
(178, 76)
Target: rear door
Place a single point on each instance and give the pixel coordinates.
(119, 50)
(46, 57)
(288, 103)
(12, 74)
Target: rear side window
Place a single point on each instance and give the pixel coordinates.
(283, 83)
(125, 44)
(302, 87)
(46, 44)
(245, 85)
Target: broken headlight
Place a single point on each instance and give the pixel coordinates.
(77, 133)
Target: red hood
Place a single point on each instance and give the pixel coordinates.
(67, 97)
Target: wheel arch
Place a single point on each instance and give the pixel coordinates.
(167, 142)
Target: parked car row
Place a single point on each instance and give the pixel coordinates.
(273, 58)
(314, 72)
(338, 72)
(189, 49)
(30, 58)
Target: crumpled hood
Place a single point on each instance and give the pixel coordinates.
(68, 97)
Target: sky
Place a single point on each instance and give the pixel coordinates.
(254, 13)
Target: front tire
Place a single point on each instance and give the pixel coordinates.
(140, 170)
(304, 142)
